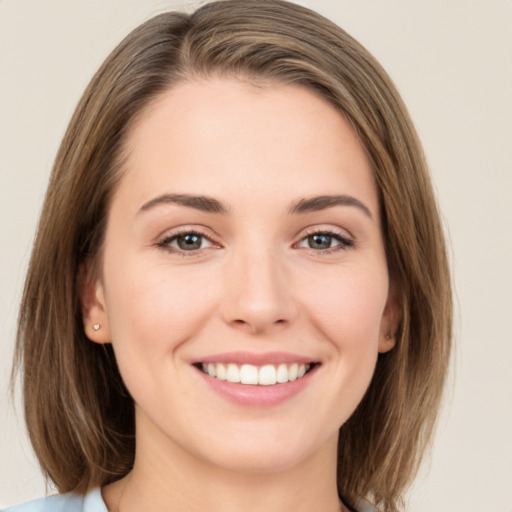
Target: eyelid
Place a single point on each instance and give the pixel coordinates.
(346, 241)
(171, 235)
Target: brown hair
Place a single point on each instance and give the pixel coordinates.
(79, 415)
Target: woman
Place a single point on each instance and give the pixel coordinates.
(238, 296)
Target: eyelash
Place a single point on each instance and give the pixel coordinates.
(345, 242)
(165, 242)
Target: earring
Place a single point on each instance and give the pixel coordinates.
(389, 336)
(96, 327)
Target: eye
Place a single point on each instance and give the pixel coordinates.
(186, 241)
(326, 241)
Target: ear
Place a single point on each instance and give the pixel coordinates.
(94, 310)
(390, 321)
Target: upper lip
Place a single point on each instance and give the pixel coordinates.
(256, 359)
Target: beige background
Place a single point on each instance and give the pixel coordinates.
(451, 60)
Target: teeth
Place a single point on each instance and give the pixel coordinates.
(267, 375)
(233, 373)
(282, 373)
(249, 374)
(292, 373)
(221, 371)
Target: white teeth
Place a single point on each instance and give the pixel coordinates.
(282, 373)
(212, 371)
(249, 374)
(233, 373)
(266, 375)
(221, 371)
(293, 371)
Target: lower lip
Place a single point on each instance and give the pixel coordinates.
(257, 395)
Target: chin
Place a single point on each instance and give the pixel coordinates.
(259, 463)
(277, 454)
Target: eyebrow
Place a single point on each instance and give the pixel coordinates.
(317, 203)
(202, 203)
(211, 205)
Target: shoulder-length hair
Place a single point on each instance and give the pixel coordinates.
(80, 417)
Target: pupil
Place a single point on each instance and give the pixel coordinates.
(320, 241)
(189, 242)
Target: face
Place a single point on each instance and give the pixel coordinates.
(243, 244)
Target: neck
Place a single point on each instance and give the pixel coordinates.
(174, 479)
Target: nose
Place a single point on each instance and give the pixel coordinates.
(258, 298)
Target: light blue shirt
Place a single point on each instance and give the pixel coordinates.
(91, 502)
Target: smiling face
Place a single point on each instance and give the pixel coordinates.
(243, 243)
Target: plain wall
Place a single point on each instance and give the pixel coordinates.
(451, 60)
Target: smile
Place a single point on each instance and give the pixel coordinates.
(267, 375)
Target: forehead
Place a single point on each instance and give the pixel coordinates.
(221, 134)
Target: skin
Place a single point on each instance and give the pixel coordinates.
(256, 284)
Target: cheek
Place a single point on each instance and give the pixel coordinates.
(153, 310)
(348, 308)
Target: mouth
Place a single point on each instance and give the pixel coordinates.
(264, 375)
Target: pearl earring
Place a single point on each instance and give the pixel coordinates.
(96, 327)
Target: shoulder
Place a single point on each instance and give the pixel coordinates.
(366, 506)
(91, 502)
(58, 503)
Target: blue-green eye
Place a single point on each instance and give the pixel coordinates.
(187, 241)
(320, 241)
(326, 241)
